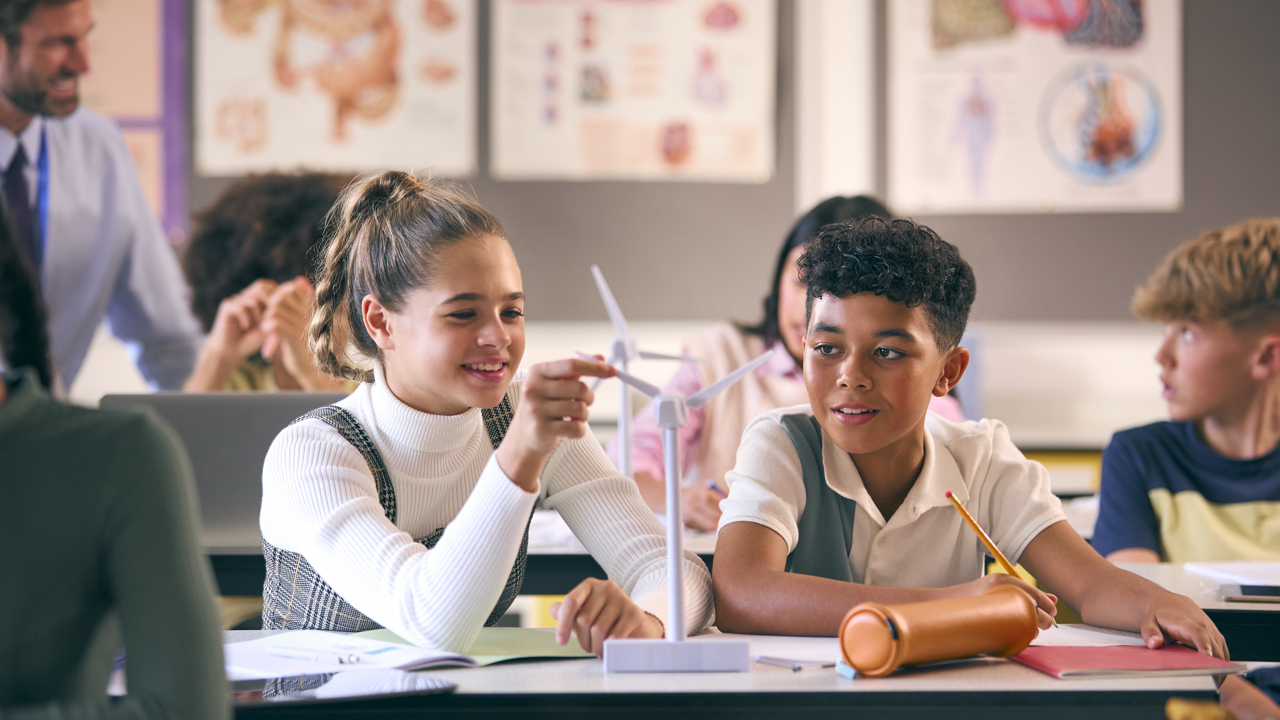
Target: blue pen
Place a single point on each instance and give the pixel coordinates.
(716, 488)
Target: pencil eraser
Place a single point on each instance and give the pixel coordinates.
(845, 670)
(948, 494)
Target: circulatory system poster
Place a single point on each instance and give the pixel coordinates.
(1010, 106)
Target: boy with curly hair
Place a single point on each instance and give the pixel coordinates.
(843, 500)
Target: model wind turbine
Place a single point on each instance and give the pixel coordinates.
(621, 351)
(674, 654)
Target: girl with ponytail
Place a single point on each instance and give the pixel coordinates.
(407, 504)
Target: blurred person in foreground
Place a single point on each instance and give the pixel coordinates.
(247, 265)
(98, 528)
(76, 209)
(709, 443)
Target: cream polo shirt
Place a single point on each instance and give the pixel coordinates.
(925, 543)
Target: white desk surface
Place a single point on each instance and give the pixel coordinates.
(588, 677)
(1206, 592)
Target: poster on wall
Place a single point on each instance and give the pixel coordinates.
(335, 86)
(634, 89)
(1013, 106)
(130, 82)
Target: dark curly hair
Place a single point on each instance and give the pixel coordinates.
(899, 259)
(24, 341)
(265, 226)
(832, 210)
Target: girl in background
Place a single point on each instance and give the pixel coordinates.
(247, 265)
(407, 505)
(709, 443)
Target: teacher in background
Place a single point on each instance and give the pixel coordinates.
(76, 209)
(709, 443)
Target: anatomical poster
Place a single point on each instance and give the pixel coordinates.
(634, 89)
(1022, 106)
(335, 85)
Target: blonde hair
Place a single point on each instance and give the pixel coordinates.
(382, 238)
(1230, 274)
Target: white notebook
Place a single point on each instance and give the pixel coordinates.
(1242, 573)
(311, 652)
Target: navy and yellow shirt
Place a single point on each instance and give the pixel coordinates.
(1164, 489)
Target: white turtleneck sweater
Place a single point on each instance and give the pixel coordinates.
(319, 499)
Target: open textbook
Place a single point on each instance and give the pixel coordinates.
(310, 652)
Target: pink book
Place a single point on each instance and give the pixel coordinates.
(1123, 661)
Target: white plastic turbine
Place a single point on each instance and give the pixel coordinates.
(673, 654)
(622, 350)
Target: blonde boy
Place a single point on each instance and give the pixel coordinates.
(1205, 486)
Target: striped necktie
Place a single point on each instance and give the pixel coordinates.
(22, 221)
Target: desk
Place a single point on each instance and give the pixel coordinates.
(557, 562)
(1252, 630)
(980, 689)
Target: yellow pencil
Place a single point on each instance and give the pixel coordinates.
(982, 535)
(986, 540)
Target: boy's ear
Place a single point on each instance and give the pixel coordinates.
(377, 321)
(957, 361)
(1266, 363)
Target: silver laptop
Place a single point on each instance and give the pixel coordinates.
(227, 436)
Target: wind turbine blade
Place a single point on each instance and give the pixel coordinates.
(678, 358)
(595, 385)
(610, 305)
(703, 396)
(637, 383)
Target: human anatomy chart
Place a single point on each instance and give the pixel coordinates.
(336, 85)
(1034, 106)
(634, 89)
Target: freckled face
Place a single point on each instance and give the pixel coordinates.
(1204, 369)
(871, 366)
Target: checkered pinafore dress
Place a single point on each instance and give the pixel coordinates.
(295, 597)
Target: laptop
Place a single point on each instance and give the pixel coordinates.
(227, 436)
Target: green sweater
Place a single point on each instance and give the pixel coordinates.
(98, 549)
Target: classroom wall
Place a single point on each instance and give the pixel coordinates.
(681, 251)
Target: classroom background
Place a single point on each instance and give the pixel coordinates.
(1057, 356)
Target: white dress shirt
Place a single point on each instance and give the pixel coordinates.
(105, 254)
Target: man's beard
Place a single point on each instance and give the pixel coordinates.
(26, 94)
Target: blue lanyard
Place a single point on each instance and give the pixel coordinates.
(42, 193)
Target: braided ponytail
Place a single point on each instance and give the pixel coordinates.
(382, 238)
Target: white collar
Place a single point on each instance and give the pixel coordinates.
(939, 474)
(414, 429)
(30, 139)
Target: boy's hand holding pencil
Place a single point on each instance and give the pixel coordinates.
(1046, 604)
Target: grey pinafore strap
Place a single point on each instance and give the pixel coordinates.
(826, 525)
(295, 597)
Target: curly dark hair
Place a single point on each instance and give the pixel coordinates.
(24, 341)
(832, 210)
(265, 226)
(899, 259)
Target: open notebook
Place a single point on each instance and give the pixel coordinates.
(310, 652)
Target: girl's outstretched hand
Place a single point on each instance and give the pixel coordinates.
(597, 610)
(553, 405)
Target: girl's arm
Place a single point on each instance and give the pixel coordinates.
(606, 513)
(320, 500)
